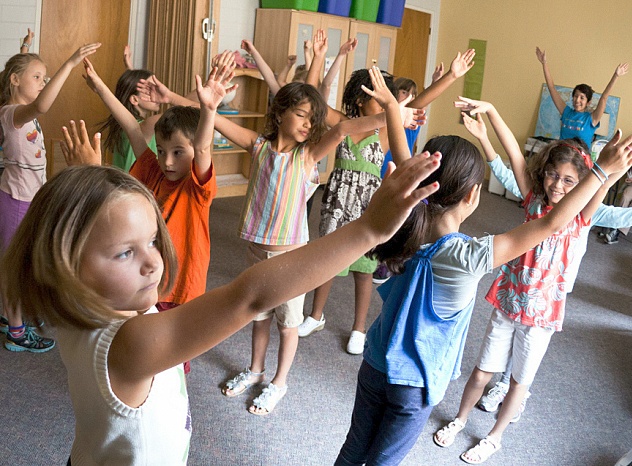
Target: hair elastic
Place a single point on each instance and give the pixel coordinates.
(598, 176)
(596, 165)
(425, 201)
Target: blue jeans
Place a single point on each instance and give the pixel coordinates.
(386, 422)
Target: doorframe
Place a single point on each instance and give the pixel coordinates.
(433, 8)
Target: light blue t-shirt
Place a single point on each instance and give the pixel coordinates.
(577, 124)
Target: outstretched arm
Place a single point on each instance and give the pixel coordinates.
(282, 77)
(506, 137)
(461, 64)
(117, 109)
(127, 58)
(476, 127)
(557, 98)
(319, 47)
(45, 99)
(438, 72)
(345, 49)
(601, 105)
(210, 96)
(195, 327)
(264, 68)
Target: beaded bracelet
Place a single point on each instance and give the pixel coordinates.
(596, 165)
(24, 44)
(602, 181)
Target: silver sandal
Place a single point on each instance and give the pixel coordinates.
(242, 382)
(268, 399)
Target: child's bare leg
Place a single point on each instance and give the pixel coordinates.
(14, 315)
(472, 392)
(260, 340)
(287, 350)
(363, 290)
(509, 408)
(320, 299)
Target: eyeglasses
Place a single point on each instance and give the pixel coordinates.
(568, 182)
(46, 79)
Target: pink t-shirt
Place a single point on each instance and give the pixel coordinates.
(531, 289)
(24, 156)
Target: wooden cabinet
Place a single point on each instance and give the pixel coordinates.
(232, 166)
(282, 32)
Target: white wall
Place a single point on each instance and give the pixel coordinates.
(16, 16)
(236, 22)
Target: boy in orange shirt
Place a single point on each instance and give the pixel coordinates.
(181, 177)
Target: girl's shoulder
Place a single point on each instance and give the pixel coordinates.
(471, 256)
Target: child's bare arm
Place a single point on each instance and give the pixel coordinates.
(477, 128)
(76, 145)
(210, 96)
(152, 90)
(438, 72)
(127, 58)
(319, 47)
(46, 98)
(195, 327)
(282, 77)
(27, 42)
(555, 96)
(264, 68)
(506, 137)
(620, 70)
(117, 109)
(345, 49)
(461, 64)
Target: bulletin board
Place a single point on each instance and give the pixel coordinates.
(549, 122)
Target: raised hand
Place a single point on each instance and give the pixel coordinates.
(291, 60)
(462, 63)
(380, 92)
(247, 46)
(319, 44)
(476, 127)
(227, 58)
(541, 54)
(438, 72)
(152, 90)
(621, 69)
(82, 52)
(93, 80)
(348, 46)
(77, 148)
(127, 58)
(211, 94)
(616, 156)
(28, 38)
(472, 106)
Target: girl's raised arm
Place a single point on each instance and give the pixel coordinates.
(345, 49)
(615, 157)
(195, 327)
(282, 77)
(45, 99)
(117, 109)
(506, 137)
(557, 98)
(264, 68)
(598, 112)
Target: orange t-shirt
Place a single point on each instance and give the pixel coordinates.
(185, 206)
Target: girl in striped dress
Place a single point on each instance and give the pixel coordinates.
(283, 176)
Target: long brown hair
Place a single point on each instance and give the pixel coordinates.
(17, 64)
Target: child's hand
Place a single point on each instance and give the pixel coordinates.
(76, 145)
(152, 90)
(247, 46)
(127, 58)
(541, 54)
(438, 72)
(616, 156)
(399, 193)
(320, 43)
(83, 52)
(28, 38)
(462, 63)
(621, 69)
(226, 58)
(93, 80)
(476, 127)
(348, 46)
(211, 94)
(381, 93)
(291, 60)
(472, 106)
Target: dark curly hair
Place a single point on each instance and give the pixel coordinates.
(353, 95)
(290, 96)
(586, 90)
(461, 169)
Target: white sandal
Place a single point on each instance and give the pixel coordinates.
(265, 403)
(445, 436)
(482, 451)
(242, 382)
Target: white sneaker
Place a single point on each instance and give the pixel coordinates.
(311, 325)
(356, 342)
(494, 397)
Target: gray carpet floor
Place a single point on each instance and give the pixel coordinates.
(579, 413)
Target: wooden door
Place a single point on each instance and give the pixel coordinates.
(66, 25)
(411, 52)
